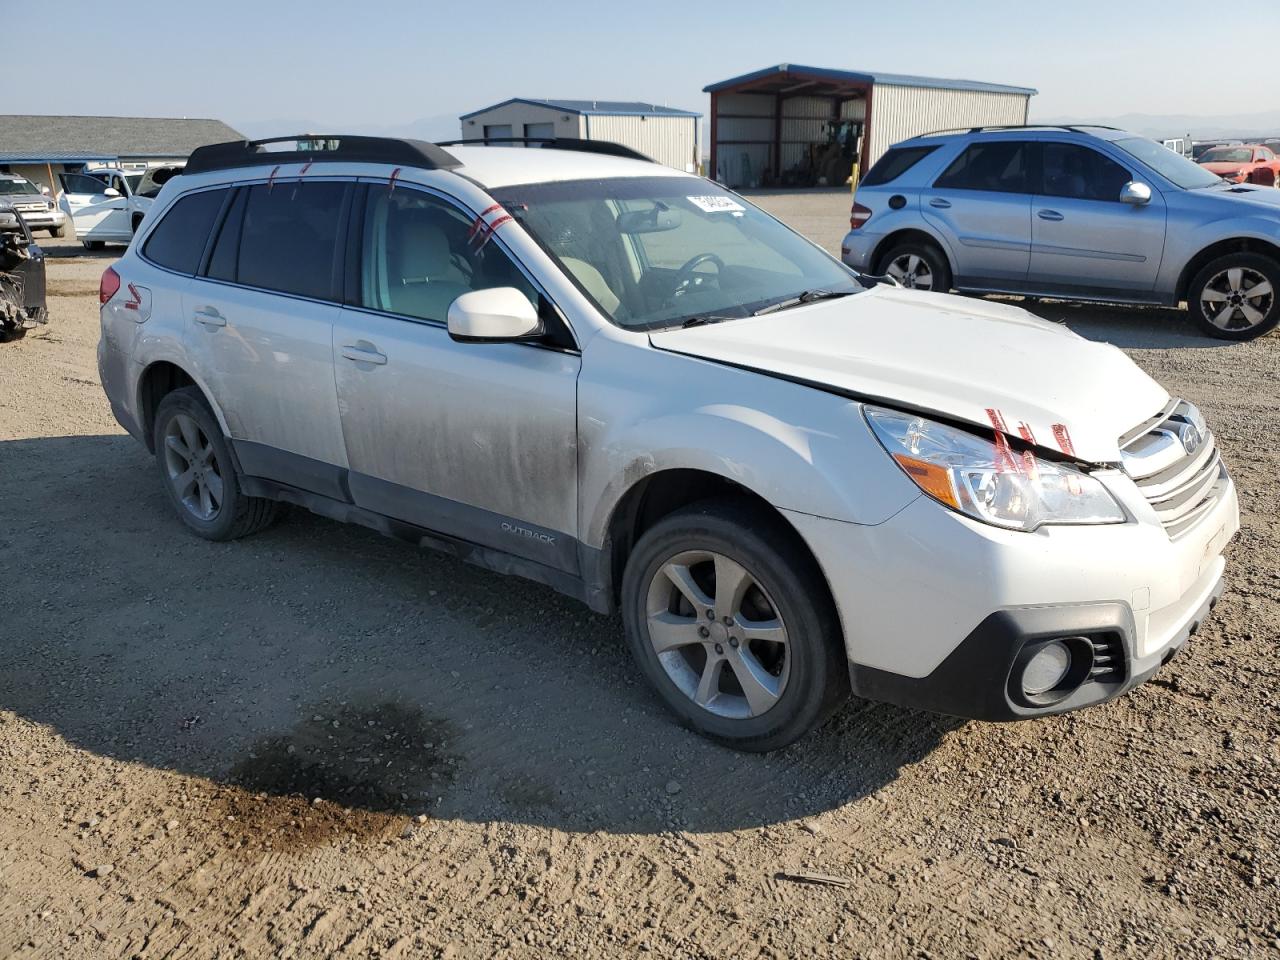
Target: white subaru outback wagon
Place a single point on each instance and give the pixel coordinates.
(632, 385)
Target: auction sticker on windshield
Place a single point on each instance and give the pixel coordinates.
(717, 204)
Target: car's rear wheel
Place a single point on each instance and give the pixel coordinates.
(728, 616)
(917, 266)
(198, 473)
(137, 222)
(93, 244)
(1235, 297)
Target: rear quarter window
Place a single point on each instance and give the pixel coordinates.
(894, 163)
(179, 239)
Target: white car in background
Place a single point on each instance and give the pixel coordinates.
(108, 205)
(40, 212)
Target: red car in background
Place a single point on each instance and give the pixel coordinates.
(1245, 163)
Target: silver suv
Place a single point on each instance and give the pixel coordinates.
(633, 386)
(1078, 213)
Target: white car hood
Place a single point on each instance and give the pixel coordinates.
(949, 355)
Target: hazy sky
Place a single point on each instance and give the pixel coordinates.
(393, 62)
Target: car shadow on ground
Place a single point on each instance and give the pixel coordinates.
(1136, 328)
(321, 660)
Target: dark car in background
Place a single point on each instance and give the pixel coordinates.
(22, 279)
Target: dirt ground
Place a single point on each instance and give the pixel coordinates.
(321, 743)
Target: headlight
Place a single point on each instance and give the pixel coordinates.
(973, 476)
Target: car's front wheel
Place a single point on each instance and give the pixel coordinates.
(198, 473)
(58, 231)
(917, 266)
(1235, 296)
(729, 618)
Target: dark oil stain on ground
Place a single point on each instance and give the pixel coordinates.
(342, 772)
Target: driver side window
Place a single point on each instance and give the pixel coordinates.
(419, 254)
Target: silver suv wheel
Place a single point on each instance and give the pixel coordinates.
(192, 468)
(911, 271)
(1237, 298)
(717, 634)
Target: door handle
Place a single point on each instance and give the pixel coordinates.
(1049, 215)
(210, 317)
(363, 352)
(940, 203)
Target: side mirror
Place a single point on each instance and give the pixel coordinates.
(1135, 193)
(111, 192)
(497, 315)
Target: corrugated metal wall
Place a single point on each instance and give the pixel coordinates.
(518, 114)
(898, 113)
(669, 140)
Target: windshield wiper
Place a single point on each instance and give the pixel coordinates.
(704, 320)
(809, 296)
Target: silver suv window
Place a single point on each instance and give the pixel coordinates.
(1081, 173)
(419, 254)
(282, 237)
(997, 166)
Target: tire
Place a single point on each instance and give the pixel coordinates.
(137, 222)
(917, 265)
(804, 680)
(93, 244)
(58, 231)
(10, 335)
(211, 504)
(1218, 283)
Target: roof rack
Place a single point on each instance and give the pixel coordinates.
(604, 147)
(1073, 127)
(320, 148)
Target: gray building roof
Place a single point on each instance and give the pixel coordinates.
(850, 76)
(615, 108)
(34, 139)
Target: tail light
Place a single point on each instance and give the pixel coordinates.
(108, 285)
(858, 216)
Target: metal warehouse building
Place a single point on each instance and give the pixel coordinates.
(666, 134)
(789, 125)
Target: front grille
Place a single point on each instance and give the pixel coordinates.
(31, 207)
(1175, 463)
(1108, 658)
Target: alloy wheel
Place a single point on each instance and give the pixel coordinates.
(192, 467)
(911, 271)
(718, 634)
(1237, 298)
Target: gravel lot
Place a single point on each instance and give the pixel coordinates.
(321, 743)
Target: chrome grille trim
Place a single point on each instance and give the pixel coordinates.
(1181, 486)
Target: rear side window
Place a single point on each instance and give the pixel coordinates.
(282, 237)
(894, 164)
(998, 166)
(179, 239)
(1080, 173)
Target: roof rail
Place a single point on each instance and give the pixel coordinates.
(605, 147)
(320, 148)
(1073, 127)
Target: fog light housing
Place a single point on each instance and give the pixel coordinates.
(1048, 671)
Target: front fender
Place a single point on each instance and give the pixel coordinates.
(797, 447)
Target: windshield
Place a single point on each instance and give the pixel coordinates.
(22, 187)
(1227, 155)
(1178, 170)
(658, 251)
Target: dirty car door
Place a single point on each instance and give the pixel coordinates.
(474, 440)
